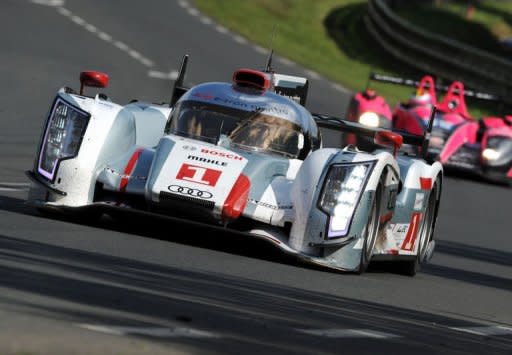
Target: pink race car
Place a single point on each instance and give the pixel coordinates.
(483, 147)
(451, 113)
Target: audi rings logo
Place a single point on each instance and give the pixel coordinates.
(189, 147)
(190, 192)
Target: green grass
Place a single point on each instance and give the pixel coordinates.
(303, 35)
(327, 36)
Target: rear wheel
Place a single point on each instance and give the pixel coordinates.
(425, 234)
(370, 233)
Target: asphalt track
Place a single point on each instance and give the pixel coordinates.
(155, 287)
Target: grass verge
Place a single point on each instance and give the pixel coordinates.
(327, 36)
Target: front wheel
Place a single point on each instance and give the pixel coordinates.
(370, 232)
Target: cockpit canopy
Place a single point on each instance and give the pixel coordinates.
(248, 130)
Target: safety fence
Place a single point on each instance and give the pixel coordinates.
(438, 55)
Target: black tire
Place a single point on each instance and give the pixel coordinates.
(370, 232)
(411, 267)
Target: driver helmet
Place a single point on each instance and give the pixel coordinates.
(421, 100)
(271, 133)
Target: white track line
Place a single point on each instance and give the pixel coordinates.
(312, 74)
(105, 36)
(9, 189)
(63, 11)
(14, 186)
(285, 61)
(161, 75)
(158, 332)
(184, 4)
(192, 11)
(205, 20)
(221, 29)
(240, 39)
(339, 88)
(54, 3)
(348, 333)
(485, 330)
(260, 50)
(132, 53)
(129, 51)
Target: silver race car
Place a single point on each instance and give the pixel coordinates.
(247, 156)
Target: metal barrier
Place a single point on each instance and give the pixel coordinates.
(438, 55)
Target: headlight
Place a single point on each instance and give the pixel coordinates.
(498, 150)
(370, 119)
(62, 138)
(340, 195)
(490, 154)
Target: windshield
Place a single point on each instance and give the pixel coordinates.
(249, 130)
(269, 134)
(203, 121)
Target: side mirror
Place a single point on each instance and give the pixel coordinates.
(94, 79)
(389, 139)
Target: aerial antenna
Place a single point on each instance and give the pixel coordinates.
(370, 76)
(428, 133)
(269, 69)
(179, 84)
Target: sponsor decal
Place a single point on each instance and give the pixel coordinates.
(398, 230)
(198, 174)
(271, 206)
(281, 110)
(410, 238)
(129, 169)
(203, 96)
(189, 147)
(418, 202)
(402, 228)
(221, 154)
(207, 160)
(190, 191)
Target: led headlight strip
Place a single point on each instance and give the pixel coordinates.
(340, 195)
(65, 129)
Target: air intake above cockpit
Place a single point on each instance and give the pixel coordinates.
(252, 78)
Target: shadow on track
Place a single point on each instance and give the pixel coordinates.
(474, 252)
(245, 313)
(477, 278)
(227, 241)
(187, 233)
(460, 175)
(174, 230)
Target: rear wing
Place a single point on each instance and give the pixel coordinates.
(293, 87)
(415, 83)
(339, 124)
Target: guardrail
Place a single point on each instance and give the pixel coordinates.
(437, 55)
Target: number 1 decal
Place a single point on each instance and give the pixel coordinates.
(198, 174)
